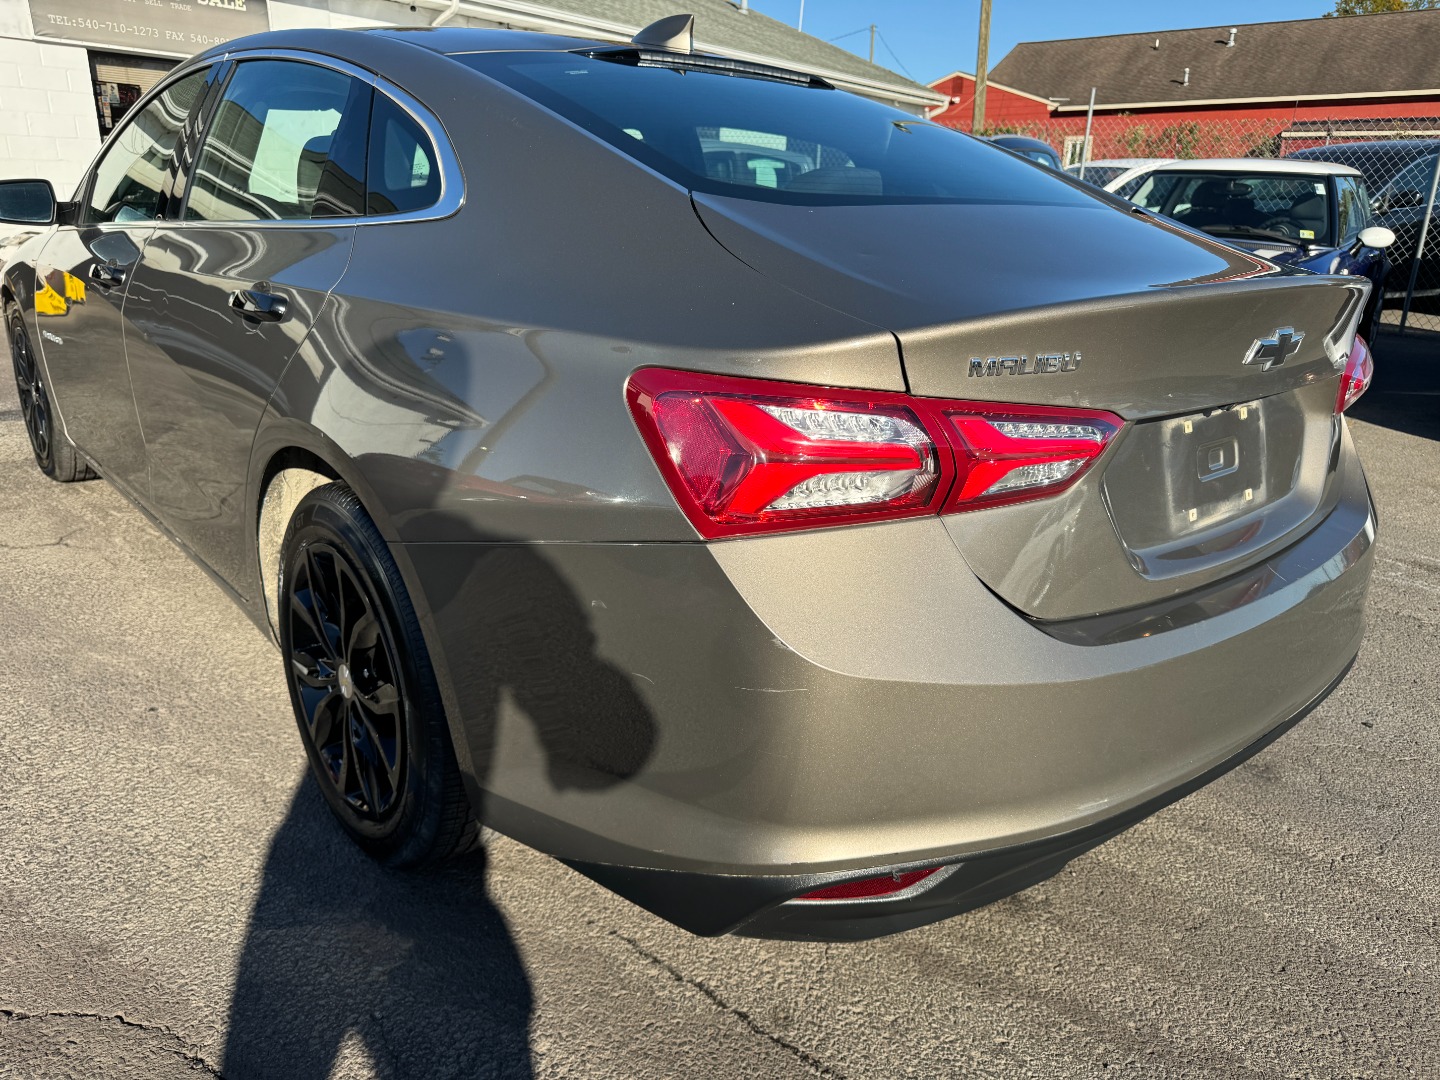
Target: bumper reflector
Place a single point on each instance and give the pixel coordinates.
(865, 888)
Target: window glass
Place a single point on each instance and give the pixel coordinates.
(766, 138)
(1154, 191)
(1414, 178)
(130, 176)
(267, 156)
(402, 174)
(1244, 206)
(1099, 175)
(1353, 206)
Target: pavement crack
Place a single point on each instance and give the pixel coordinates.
(819, 1068)
(62, 541)
(182, 1051)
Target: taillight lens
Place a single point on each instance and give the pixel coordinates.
(1022, 454)
(865, 888)
(1359, 370)
(745, 456)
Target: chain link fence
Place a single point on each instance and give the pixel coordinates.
(1399, 158)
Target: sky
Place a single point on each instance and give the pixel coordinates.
(932, 38)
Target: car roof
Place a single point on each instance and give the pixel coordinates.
(473, 39)
(1121, 163)
(1369, 146)
(1021, 140)
(1290, 166)
(1129, 162)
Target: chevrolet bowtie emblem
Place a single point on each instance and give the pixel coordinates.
(1276, 349)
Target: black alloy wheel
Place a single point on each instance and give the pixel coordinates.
(54, 453)
(34, 404)
(365, 696)
(351, 703)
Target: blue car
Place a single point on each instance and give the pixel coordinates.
(1310, 214)
(1026, 147)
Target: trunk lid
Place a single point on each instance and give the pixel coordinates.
(1223, 461)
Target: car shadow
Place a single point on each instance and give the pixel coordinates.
(1405, 393)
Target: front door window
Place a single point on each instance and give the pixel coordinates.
(131, 176)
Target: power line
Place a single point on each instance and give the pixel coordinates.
(852, 33)
(895, 58)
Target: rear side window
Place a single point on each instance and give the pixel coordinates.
(768, 139)
(286, 144)
(402, 175)
(130, 176)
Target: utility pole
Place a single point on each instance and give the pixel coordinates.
(982, 62)
(872, 43)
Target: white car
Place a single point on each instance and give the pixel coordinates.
(1112, 174)
(1310, 214)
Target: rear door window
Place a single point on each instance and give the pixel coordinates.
(287, 143)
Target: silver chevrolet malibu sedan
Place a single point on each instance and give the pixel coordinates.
(802, 519)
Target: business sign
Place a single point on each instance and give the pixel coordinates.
(164, 26)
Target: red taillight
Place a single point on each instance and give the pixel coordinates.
(1023, 453)
(746, 456)
(1359, 370)
(884, 885)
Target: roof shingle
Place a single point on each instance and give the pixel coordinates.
(1356, 55)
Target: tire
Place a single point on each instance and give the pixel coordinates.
(54, 453)
(363, 689)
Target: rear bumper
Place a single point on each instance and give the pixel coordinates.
(980, 879)
(712, 729)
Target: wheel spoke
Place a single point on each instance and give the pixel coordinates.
(364, 771)
(311, 623)
(364, 635)
(387, 750)
(312, 672)
(321, 717)
(318, 588)
(384, 700)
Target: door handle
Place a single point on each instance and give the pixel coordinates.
(107, 276)
(259, 306)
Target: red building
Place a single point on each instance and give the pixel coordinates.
(1261, 88)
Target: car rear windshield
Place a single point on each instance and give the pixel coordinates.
(766, 139)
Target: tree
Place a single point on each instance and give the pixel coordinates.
(1374, 7)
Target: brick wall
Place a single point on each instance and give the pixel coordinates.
(47, 112)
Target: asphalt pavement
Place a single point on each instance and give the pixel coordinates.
(174, 899)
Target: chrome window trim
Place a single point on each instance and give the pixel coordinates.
(452, 179)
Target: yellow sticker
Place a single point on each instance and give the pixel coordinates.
(1307, 234)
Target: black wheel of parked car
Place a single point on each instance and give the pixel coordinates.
(363, 689)
(54, 453)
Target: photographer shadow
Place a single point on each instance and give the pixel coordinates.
(415, 972)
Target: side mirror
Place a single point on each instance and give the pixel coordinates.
(1376, 236)
(27, 202)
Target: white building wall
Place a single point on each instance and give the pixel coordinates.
(47, 112)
